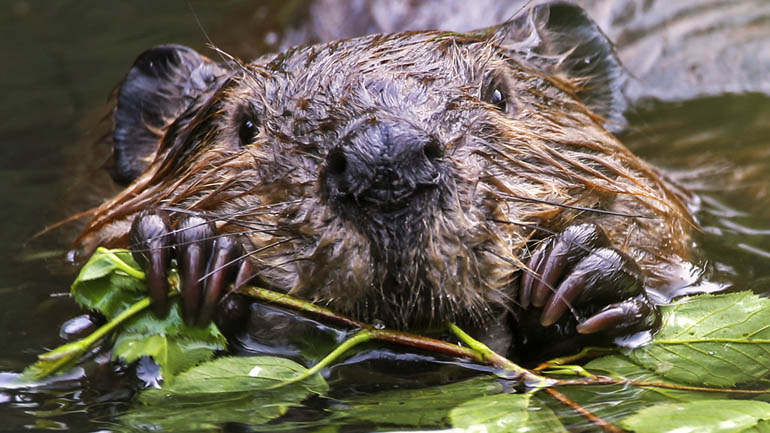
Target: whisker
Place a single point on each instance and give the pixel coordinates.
(534, 275)
(536, 227)
(227, 58)
(522, 224)
(296, 259)
(133, 247)
(229, 219)
(510, 197)
(245, 255)
(245, 212)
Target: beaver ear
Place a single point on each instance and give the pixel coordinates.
(561, 39)
(163, 82)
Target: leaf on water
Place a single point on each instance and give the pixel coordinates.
(229, 389)
(417, 408)
(621, 368)
(724, 416)
(614, 402)
(505, 413)
(543, 419)
(712, 340)
(235, 374)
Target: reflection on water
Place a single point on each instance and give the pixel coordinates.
(61, 60)
(720, 149)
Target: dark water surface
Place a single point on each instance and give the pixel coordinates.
(61, 59)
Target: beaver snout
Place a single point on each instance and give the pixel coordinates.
(382, 165)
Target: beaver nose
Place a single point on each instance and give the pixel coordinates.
(383, 165)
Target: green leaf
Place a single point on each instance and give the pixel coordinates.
(493, 413)
(235, 374)
(229, 389)
(614, 402)
(505, 413)
(424, 407)
(108, 295)
(543, 419)
(104, 262)
(173, 354)
(713, 340)
(104, 286)
(706, 416)
(110, 283)
(172, 344)
(621, 368)
(172, 324)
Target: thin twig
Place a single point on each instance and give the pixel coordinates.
(587, 414)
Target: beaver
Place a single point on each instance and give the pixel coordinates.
(411, 178)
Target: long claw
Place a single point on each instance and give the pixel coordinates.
(220, 269)
(627, 316)
(525, 292)
(151, 248)
(550, 272)
(568, 247)
(567, 292)
(194, 237)
(245, 273)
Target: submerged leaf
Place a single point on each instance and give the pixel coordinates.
(505, 413)
(612, 403)
(417, 408)
(229, 389)
(705, 416)
(621, 368)
(713, 340)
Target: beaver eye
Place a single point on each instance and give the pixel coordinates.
(494, 95)
(495, 92)
(247, 132)
(498, 100)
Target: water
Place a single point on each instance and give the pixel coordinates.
(62, 58)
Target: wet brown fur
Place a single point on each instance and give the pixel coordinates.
(507, 175)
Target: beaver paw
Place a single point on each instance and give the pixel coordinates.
(207, 263)
(577, 270)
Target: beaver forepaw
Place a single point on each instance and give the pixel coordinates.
(577, 270)
(207, 262)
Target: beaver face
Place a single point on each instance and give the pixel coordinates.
(367, 188)
(403, 177)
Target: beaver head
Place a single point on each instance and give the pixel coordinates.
(396, 177)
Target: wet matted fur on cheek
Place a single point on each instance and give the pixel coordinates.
(555, 168)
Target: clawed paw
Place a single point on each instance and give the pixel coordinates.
(578, 271)
(207, 262)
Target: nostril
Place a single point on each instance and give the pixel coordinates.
(432, 150)
(336, 163)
